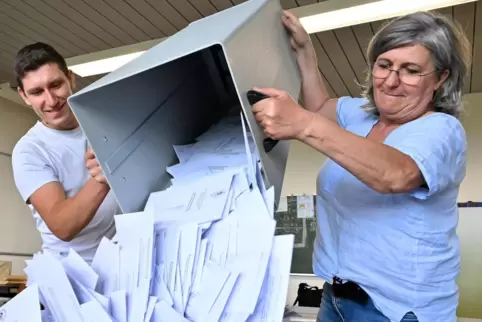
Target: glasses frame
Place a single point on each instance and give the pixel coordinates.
(397, 71)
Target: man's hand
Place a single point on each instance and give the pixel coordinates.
(94, 167)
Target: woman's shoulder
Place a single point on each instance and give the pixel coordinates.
(432, 133)
(351, 110)
(439, 123)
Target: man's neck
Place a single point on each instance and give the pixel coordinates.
(64, 127)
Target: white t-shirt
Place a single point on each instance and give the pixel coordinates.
(46, 155)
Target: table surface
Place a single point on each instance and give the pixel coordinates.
(308, 314)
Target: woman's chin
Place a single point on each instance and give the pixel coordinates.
(389, 108)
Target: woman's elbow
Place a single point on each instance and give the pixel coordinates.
(401, 181)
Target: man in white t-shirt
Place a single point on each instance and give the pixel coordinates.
(55, 172)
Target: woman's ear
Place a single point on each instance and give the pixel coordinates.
(442, 79)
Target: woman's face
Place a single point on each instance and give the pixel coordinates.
(407, 94)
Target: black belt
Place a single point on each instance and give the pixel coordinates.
(349, 290)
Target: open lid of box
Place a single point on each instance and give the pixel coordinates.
(177, 89)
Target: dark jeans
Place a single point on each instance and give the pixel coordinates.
(335, 309)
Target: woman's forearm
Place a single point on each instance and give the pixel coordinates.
(313, 89)
(383, 168)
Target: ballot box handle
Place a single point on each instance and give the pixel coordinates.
(253, 98)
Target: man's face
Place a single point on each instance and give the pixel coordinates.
(46, 90)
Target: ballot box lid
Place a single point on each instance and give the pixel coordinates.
(117, 112)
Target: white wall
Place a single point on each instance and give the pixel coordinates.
(302, 170)
(17, 227)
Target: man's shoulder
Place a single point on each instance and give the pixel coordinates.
(30, 142)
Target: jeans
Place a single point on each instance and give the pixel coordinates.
(335, 309)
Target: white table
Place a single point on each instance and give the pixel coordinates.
(308, 314)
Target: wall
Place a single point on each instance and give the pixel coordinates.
(17, 228)
(302, 170)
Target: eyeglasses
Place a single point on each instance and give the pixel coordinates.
(406, 75)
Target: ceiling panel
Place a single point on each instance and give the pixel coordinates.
(338, 58)
(76, 27)
(350, 47)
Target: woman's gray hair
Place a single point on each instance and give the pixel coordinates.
(447, 44)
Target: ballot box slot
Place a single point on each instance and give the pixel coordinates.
(222, 79)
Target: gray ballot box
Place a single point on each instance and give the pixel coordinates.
(176, 90)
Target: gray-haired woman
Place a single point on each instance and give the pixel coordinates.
(387, 197)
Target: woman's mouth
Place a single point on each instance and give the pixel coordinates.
(393, 95)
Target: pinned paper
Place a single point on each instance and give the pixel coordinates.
(304, 207)
(283, 204)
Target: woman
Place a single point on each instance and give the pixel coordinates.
(387, 196)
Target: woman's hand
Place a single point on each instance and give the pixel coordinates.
(280, 116)
(300, 40)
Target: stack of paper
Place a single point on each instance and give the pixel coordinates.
(202, 250)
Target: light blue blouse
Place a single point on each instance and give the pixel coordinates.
(402, 249)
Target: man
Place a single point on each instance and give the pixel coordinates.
(55, 172)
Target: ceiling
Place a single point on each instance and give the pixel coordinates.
(77, 27)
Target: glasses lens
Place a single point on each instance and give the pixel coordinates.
(380, 71)
(409, 79)
(404, 76)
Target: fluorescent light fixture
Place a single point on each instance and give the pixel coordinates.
(337, 14)
(322, 16)
(103, 66)
(106, 61)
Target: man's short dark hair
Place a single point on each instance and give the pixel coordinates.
(34, 56)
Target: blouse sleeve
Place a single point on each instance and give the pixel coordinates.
(438, 147)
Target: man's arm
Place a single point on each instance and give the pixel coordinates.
(37, 181)
(66, 217)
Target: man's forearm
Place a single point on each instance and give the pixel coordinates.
(75, 213)
(313, 89)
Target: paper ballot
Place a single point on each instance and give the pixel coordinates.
(17, 309)
(202, 250)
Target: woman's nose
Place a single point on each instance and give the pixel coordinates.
(393, 79)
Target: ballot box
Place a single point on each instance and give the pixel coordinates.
(176, 90)
(195, 177)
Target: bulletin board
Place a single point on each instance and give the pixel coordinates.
(301, 222)
(296, 215)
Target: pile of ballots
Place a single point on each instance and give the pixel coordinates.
(202, 250)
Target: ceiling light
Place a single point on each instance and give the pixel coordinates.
(103, 66)
(362, 13)
(105, 61)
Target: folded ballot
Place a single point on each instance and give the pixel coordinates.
(203, 250)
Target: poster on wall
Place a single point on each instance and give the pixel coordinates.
(305, 207)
